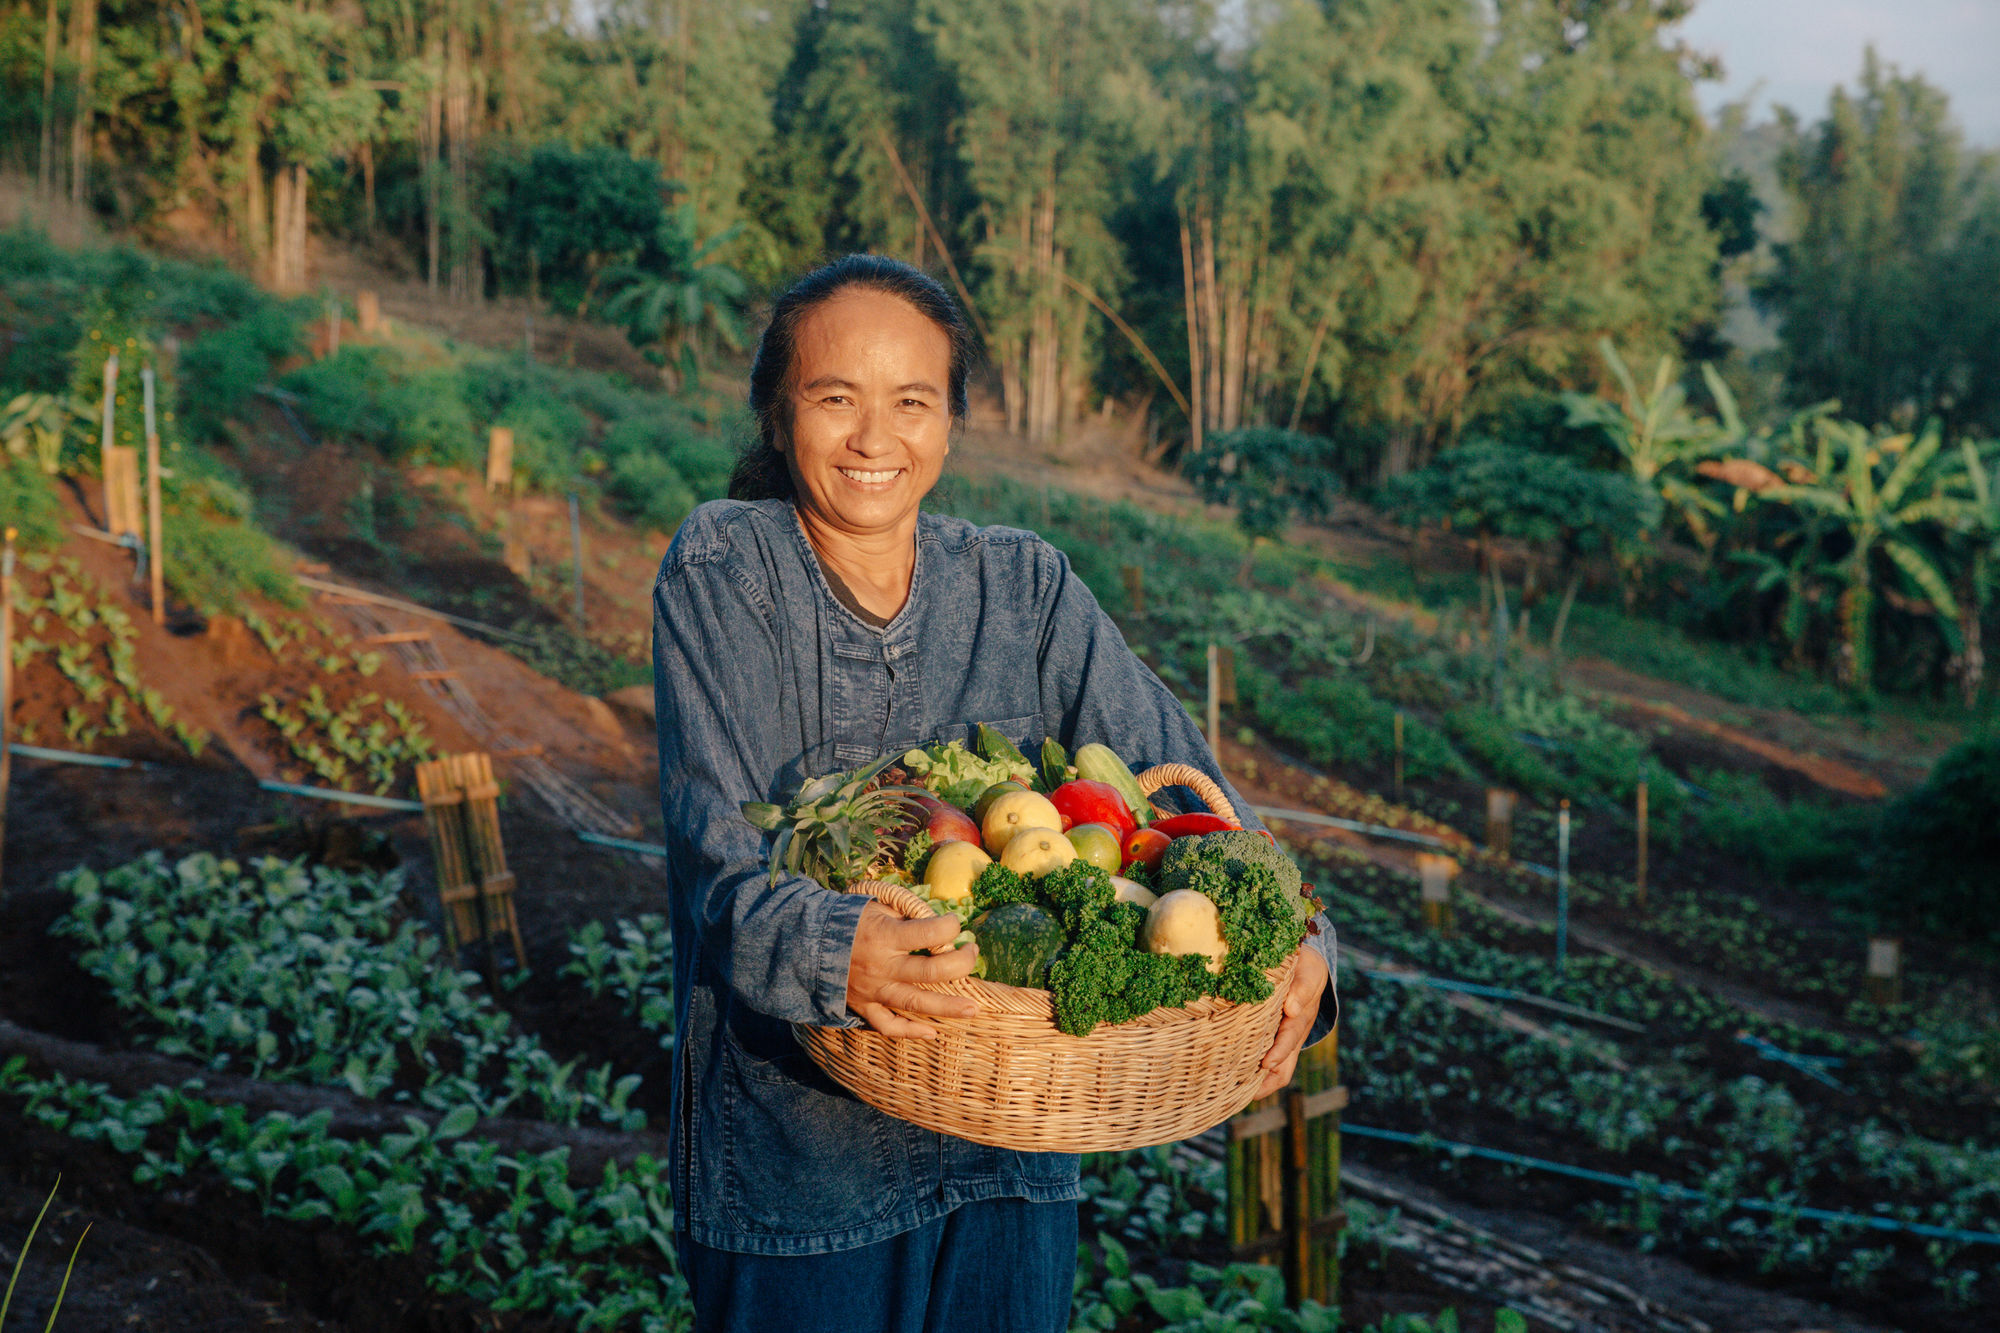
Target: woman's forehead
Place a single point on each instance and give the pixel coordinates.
(868, 337)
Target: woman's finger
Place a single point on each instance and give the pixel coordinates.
(920, 968)
(915, 1000)
(914, 936)
(891, 1024)
(1278, 1077)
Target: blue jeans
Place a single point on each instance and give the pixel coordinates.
(991, 1266)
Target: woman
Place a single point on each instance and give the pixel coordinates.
(822, 623)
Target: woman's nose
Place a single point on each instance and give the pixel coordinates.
(873, 434)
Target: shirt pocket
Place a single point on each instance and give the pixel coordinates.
(1025, 732)
(801, 1155)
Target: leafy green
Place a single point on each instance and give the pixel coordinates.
(956, 775)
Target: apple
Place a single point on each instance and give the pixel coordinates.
(1145, 847)
(992, 794)
(1086, 802)
(1098, 845)
(945, 822)
(1015, 811)
(1034, 852)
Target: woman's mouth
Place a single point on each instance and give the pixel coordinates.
(870, 478)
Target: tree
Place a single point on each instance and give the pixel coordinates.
(1887, 294)
(1542, 500)
(1268, 476)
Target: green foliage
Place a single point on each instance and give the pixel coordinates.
(224, 367)
(1937, 846)
(28, 501)
(1502, 490)
(562, 214)
(1798, 843)
(1268, 476)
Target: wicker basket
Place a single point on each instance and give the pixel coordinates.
(1008, 1077)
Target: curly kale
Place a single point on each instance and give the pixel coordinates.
(1104, 977)
(1076, 893)
(997, 885)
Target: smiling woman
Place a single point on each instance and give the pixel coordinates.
(816, 619)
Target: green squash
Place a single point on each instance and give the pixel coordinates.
(1017, 942)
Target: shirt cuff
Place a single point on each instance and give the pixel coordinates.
(838, 917)
(1328, 947)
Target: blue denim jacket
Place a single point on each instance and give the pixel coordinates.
(763, 678)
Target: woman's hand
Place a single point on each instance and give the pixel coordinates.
(885, 967)
(1301, 1004)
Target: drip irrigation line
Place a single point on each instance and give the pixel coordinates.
(76, 757)
(344, 797)
(398, 604)
(1504, 993)
(1666, 1189)
(1353, 826)
(1812, 1066)
(620, 844)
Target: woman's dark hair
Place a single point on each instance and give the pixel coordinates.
(760, 472)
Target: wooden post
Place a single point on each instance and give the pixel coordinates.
(1435, 872)
(6, 685)
(1225, 666)
(576, 556)
(1215, 701)
(1135, 587)
(1284, 1177)
(1885, 970)
(105, 446)
(368, 311)
(1639, 879)
(1399, 754)
(1500, 822)
(155, 561)
(500, 458)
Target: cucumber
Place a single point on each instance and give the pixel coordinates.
(1100, 763)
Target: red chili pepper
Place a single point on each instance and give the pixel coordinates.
(1189, 826)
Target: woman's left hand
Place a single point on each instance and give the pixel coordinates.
(1301, 1005)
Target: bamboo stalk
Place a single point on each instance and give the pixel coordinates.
(156, 564)
(1640, 876)
(6, 685)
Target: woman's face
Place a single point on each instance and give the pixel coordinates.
(870, 416)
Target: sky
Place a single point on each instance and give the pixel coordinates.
(1793, 52)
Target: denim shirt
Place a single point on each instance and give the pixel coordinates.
(763, 678)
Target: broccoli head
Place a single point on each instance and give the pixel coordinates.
(1104, 977)
(1232, 853)
(997, 885)
(1076, 893)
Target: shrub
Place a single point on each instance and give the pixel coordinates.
(1492, 744)
(1334, 721)
(220, 370)
(347, 394)
(1799, 843)
(28, 501)
(646, 488)
(704, 463)
(1937, 846)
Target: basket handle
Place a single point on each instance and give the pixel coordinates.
(1186, 775)
(896, 898)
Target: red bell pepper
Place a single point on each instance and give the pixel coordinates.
(1190, 826)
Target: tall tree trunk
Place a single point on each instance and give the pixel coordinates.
(1562, 623)
(256, 238)
(45, 171)
(428, 131)
(458, 138)
(83, 23)
(1312, 361)
(368, 186)
(1194, 336)
(1235, 342)
(1211, 313)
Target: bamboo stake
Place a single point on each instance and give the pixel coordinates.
(6, 684)
(156, 566)
(1215, 700)
(1399, 754)
(104, 445)
(1640, 878)
(576, 556)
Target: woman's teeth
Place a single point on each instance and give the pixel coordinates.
(869, 478)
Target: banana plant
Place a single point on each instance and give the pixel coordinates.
(35, 423)
(1894, 501)
(1661, 439)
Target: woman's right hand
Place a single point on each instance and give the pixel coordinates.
(885, 968)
